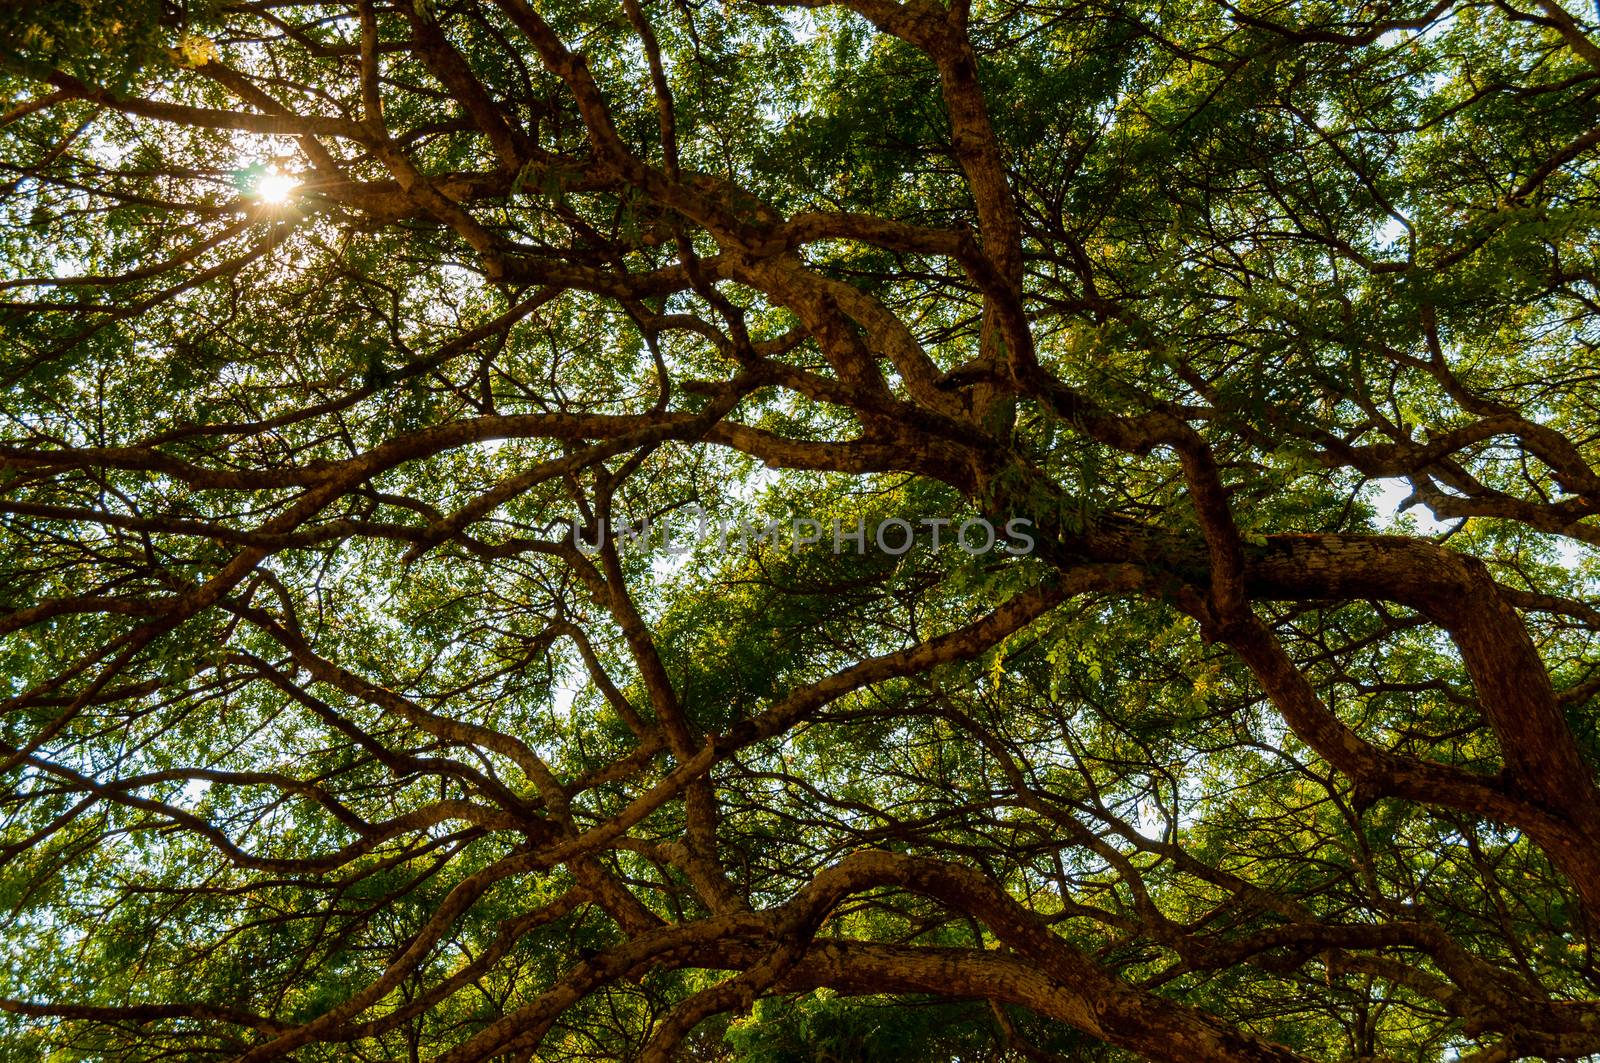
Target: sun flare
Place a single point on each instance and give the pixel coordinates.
(276, 187)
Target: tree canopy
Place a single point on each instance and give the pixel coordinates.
(348, 346)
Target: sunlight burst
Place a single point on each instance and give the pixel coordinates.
(276, 187)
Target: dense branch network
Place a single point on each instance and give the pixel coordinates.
(341, 723)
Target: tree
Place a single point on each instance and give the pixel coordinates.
(348, 345)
